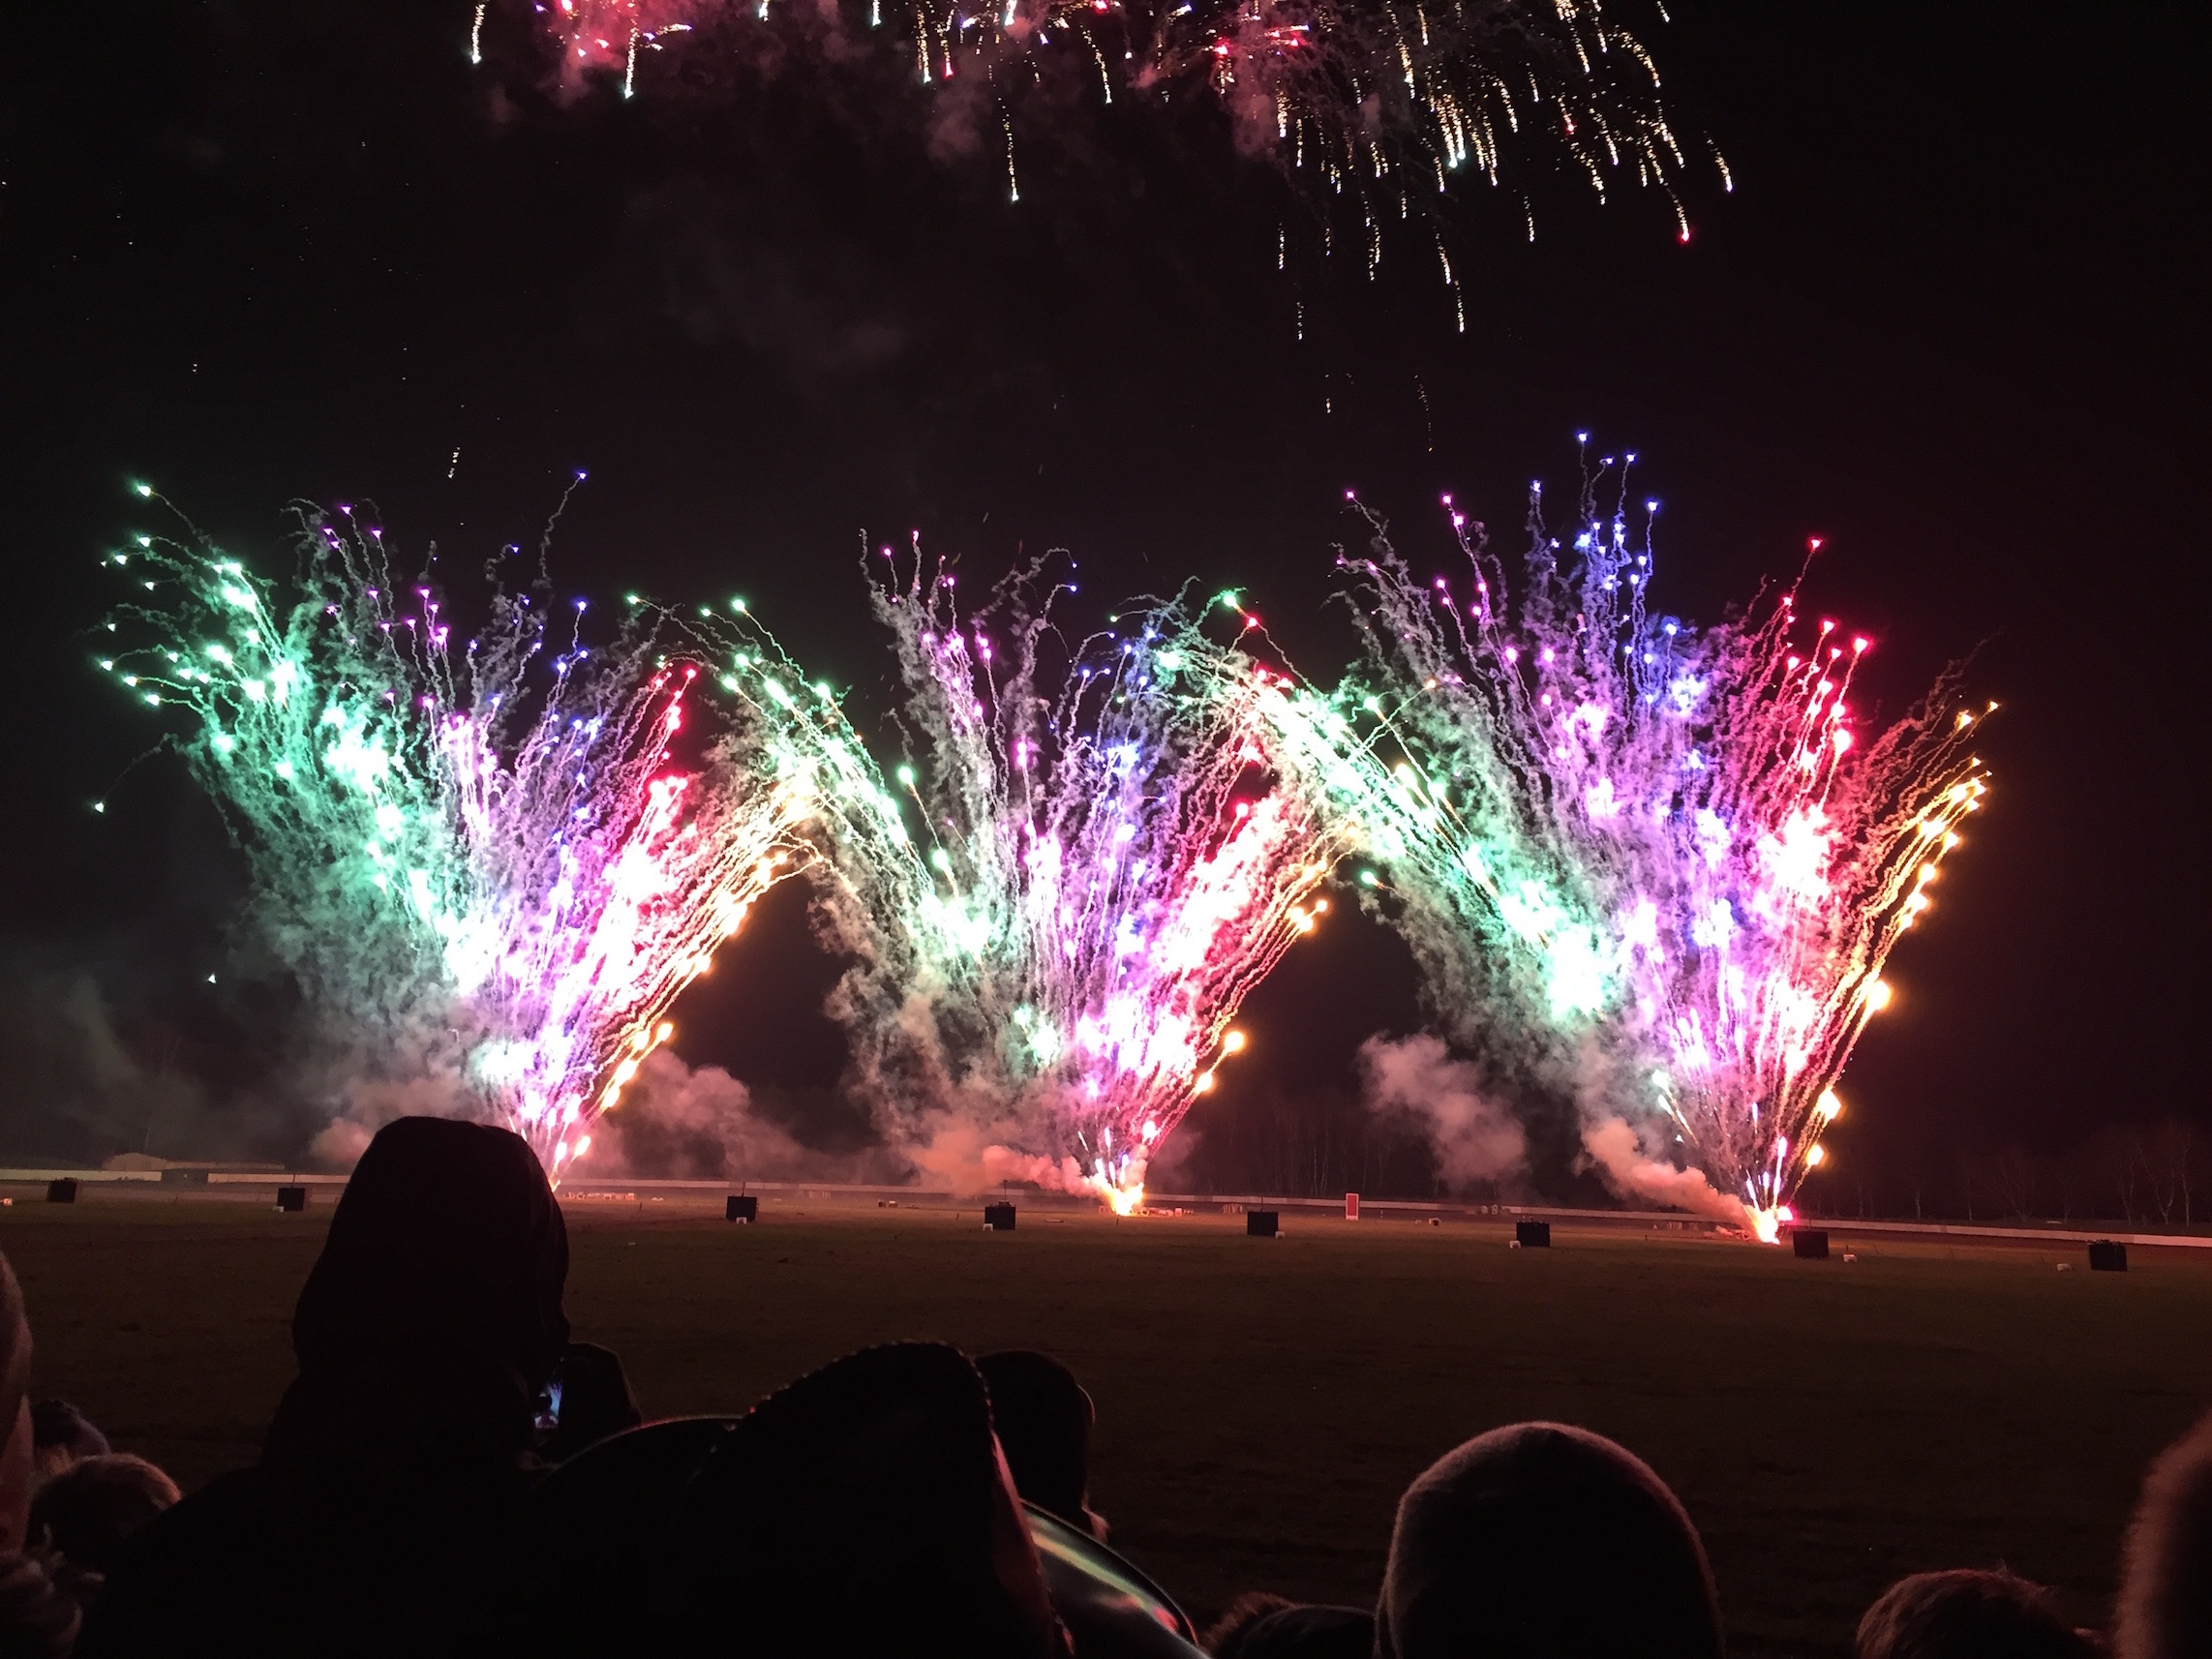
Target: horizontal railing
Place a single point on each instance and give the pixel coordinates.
(1455, 1209)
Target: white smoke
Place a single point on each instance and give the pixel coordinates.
(1634, 1172)
(969, 1157)
(1477, 1140)
(81, 1083)
(1631, 1147)
(677, 1123)
(946, 1110)
(69, 1082)
(365, 1105)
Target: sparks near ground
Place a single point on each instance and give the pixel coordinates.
(1670, 848)
(492, 860)
(1105, 860)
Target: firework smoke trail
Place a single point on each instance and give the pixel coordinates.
(1712, 863)
(493, 858)
(1107, 866)
(1383, 101)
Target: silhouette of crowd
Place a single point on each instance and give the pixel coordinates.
(450, 1474)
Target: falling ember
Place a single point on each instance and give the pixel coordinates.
(1357, 98)
(1678, 842)
(1101, 867)
(484, 855)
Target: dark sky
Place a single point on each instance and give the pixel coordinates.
(1950, 320)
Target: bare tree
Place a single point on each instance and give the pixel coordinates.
(2121, 1158)
(1969, 1179)
(2012, 1179)
(2066, 1185)
(2168, 1150)
(2158, 1185)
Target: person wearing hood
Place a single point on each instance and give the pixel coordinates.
(377, 1519)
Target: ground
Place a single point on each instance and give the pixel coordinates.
(1262, 1404)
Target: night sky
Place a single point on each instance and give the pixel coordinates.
(1948, 320)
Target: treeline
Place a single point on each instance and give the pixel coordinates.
(2157, 1174)
(1322, 1143)
(1298, 1146)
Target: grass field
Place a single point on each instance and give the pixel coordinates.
(1262, 1404)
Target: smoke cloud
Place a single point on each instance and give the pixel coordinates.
(80, 1081)
(1477, 1141)
(364, 1106)
(940, 1099)
(1634, 1173)
(676, 1123)
(74, 1088)
(970, 1157)
(1636, 1164)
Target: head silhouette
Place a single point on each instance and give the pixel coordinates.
(865, 1508)
(433, 1316)
(1542, 1541)
(1043, 1417)
(2166, 1583)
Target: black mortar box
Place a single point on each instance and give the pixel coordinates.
(1533, 1235)
(1810, 1242)
(291, 1200)
(2107, 1255)
(1263, 1223)
(999, 1218)
(62, 1192)
(740, 1208)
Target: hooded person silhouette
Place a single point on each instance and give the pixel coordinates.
(377, 1518)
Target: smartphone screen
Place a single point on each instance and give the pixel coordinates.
(549, 1407)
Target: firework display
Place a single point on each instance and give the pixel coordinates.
(495, 856)
(1378, 101)
(1669, 851)
(1108, 860)
(1654, 866)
